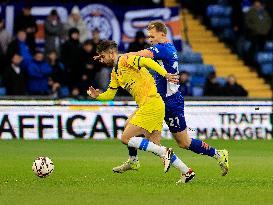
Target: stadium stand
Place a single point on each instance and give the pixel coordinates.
(265, 60)
(224, 61)
(207, 54)
(220, 21)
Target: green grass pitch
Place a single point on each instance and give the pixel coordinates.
(83, 175)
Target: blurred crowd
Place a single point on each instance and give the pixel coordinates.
(64, 67)
(212, 87)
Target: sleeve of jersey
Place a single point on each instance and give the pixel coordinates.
(149, 63)
(156, 50)
(137, 62)
(110, 93)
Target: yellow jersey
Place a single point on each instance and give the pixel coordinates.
(131, 74)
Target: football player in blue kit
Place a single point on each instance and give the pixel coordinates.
(165, 54)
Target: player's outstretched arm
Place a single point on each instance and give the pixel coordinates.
(149, 63)
(109, 94)
(144, 53)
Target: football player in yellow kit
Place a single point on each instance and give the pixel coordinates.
(164, 52)
(130, 73)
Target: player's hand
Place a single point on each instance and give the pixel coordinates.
(173, 78)
(93, 93)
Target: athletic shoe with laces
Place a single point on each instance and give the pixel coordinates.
(167, 159)
(185, 178)
(126, 166)
(223, 161)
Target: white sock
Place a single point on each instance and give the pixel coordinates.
(177, 163)
(217, 155)
(146, 145)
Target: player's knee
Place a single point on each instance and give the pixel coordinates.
(124, 139)
(126, 123)
(155, 140)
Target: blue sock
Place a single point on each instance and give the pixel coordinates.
(174, 157)
(200, 147)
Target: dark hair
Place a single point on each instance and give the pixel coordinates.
(158, 25)
(52, 51)
(38, 51)
(54, 12)
(16, 54)
(87, 42)
(254, 1)
(73, 30)
(21, 30)
(231, 76)
(27, 6)
(184, 72)
(140, 34)
(212, 75)
(106, 45)
(96, 30)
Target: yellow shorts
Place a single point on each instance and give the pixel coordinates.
(150, 116)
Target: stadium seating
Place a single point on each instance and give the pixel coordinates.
(268, 46)
(198, 73)
(197, 69)
(267, 69)
(222, 59)
(222, 81)
(197, 91)
(219, 11)
(204, 69)
(3, 91)
(190, 57)
(198, 80)
(220, 20)
(265, 59)
(190, 68)
(216, 22)
(2, 88)
(64, 92)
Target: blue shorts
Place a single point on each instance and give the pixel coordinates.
(174, 113)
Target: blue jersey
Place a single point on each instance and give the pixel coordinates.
(166, 55)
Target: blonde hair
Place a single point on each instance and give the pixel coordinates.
(158, 25)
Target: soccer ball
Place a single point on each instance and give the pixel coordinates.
(42, 167)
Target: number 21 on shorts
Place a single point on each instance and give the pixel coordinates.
(173, 122)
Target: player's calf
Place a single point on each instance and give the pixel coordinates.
(184, 144)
